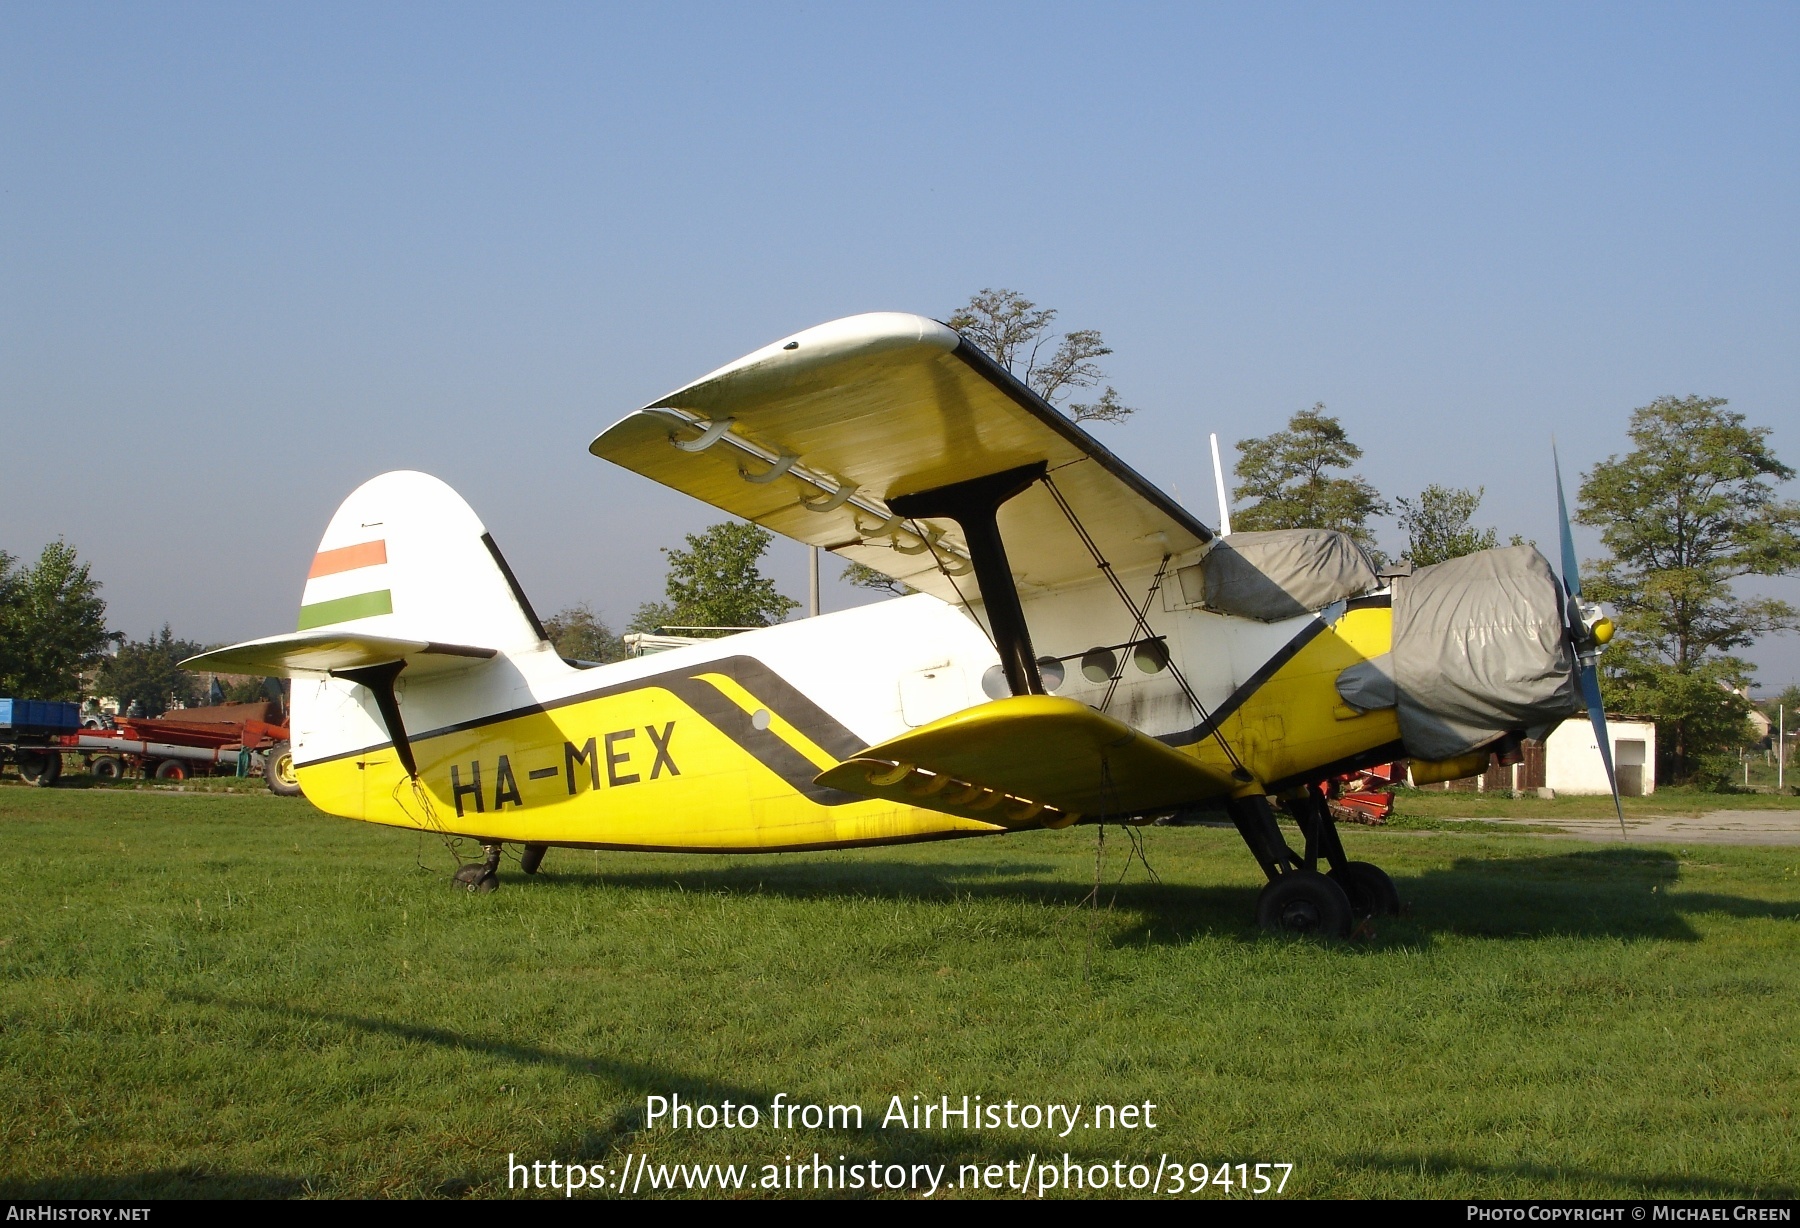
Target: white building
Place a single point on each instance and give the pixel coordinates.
(1572, 761)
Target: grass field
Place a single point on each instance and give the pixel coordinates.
(231, 994)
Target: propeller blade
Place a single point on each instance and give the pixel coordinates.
(1585, 671)
(1590, 691)
(1571, 569)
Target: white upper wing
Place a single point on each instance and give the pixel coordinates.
(812, 435)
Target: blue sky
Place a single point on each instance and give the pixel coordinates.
(253, 255)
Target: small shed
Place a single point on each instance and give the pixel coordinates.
(1572, 761)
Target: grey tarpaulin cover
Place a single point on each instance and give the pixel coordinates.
(1279, 574)
(1478, 650)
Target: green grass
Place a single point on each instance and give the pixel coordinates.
(233, 994)
(1431, 804)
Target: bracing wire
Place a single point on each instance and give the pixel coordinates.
(1141, 625)
(945, 572)
(1112, 684)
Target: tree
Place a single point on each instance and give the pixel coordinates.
(52, 624)
(148, 673)
(1437, 525)
(1013, 331)
(1691, 508)
(1287, 475)
(579, 635)
(715, 582)
(1788, 698)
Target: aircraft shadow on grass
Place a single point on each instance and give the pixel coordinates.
(627, 1129)
(1631, 893)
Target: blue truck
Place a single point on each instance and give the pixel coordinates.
(32, 733)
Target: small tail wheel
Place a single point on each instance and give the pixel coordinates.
(477, 877)
(40, 767)
(278, 770)
(171, 769)
(1372, 893)
(1304, 902)
(108, 767)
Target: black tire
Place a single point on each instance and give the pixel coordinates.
(1304, 902)
(476, 877)
(40, 767)
(108, 767)
(532, 857)
(172, 769)
(1372, 893)
(278, 770)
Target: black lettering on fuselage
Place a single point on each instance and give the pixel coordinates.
(615, 759)
(588, 755)
(661, 743)
(458, 788)
(506, 789)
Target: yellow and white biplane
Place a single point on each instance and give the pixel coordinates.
(1079, 648)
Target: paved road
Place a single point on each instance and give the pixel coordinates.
(1713, 827)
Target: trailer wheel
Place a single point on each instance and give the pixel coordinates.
(40, 767)
(171, 769)
(108, 767)
(278, 770)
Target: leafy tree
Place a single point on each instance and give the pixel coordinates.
(1788, 698)
(1288, 475)
(1691, 508)
(579, 635)
(715, 582)
(255, 690)
(1014, 331)
(1437, 525)
(148, 673)
(52, 624)
(864, 576)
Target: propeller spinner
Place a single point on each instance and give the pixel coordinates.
(1587, 631)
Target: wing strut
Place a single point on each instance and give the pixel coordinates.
(975, 505)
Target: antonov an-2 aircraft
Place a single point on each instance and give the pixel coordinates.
(1079, 648)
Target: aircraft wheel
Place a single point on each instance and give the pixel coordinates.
(278, 770)
(1304, 902)
(1372, 893)
(477, 877)
(171, 769)
(532, 857)
(40, 767)
(108, 767)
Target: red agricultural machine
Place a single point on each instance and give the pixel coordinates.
(241, 739)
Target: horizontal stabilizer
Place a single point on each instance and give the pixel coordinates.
(323, 652)
(999, 760)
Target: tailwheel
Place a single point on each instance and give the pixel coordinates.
(1304, 902)
(483, 875)
(1372, 893)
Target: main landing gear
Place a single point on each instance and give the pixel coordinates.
(1299, 899)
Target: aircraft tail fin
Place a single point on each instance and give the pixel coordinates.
(405, 571)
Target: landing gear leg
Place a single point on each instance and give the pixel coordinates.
(483, 875)
(1298, 899)
(532, 857)
(1372, 893)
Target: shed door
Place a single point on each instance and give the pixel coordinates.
(1628, 760)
